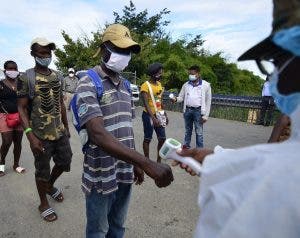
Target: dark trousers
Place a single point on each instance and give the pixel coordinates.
(267, 109)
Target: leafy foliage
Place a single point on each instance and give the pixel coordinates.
(157, 46)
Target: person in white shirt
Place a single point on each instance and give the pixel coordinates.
(267, 105)
(254, 191)
(196, 97)
(69, 86)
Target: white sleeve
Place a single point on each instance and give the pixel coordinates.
(180, 97)
(207, 102)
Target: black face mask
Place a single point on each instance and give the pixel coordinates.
(157, 77)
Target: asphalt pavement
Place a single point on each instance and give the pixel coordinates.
(170, 212)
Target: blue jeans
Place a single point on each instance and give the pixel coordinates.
(193, 116)
(106, 214)
(148, 128)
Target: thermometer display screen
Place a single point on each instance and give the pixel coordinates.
(174, 142)
(165, 150)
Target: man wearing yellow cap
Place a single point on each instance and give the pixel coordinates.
(111, 163)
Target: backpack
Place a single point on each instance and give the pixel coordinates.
(97, 81)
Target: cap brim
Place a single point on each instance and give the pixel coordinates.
(123, 44)
(265, 49)
(50, 44)
(127, 44)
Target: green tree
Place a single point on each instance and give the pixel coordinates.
(141, 23)
(78, 53)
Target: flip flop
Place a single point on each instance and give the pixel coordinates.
(47, 213)
(20, 170)
(56, 194)
(2, 169)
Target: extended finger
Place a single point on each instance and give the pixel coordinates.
(141, 179)
(190, 171)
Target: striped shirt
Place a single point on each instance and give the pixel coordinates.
(101, 171)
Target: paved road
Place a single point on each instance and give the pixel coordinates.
(169, 213)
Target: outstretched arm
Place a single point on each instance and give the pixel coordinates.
(98, 135)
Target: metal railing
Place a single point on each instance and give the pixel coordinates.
(238, 108)
(237, 101)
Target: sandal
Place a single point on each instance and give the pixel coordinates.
(56, 194)
(2, 169)
(20, 170)
(46, 214)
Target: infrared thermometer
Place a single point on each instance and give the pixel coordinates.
(171, 95)
(168, 151)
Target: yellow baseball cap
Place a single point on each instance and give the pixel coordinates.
(43, 42)
(120, 36)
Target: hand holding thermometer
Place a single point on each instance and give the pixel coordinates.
(171, 95)
(168, 151)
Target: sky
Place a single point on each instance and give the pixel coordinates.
(229, 26)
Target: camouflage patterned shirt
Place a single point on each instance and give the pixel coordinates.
(45, 116)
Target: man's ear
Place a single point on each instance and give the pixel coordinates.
(105, 54)
(31, 53)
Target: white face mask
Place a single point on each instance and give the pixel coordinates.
(12, 74)
(71, 75)
(117, 62)
(192, 77)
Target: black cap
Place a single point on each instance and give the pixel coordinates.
(266, 50)
(154, 68)
(286, 14)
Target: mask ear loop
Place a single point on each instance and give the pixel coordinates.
(279, 71)
(286, 64)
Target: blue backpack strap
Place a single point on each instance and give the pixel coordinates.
(127, 85)
(75, 113)
(97, 81)
(99, 88)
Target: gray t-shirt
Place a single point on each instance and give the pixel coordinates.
(70, 84)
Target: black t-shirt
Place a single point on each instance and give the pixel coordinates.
(8, 99)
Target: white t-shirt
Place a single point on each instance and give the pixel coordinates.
(266, 90)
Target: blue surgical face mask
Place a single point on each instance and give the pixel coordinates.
(43, 61)
(288, 39)
(287, 104)
(192, 77)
